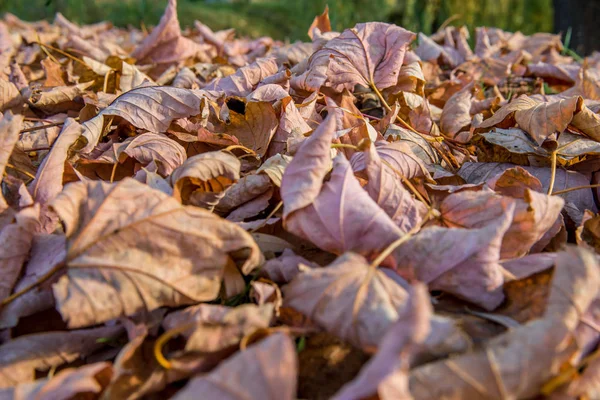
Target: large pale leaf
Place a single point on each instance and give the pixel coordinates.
(535, 213)
(411, 328)
(396, 155)
(301, 182)
(149, 147)
(132, 248)
(48, 181)
(46, 252)
(583, 199)
(456, 116)
(343, 217)
(266, 370)
(368, 54)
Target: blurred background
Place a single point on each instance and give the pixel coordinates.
(289, 19)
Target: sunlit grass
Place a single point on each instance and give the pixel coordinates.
(289, 19)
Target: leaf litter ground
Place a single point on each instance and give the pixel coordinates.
(371, 214)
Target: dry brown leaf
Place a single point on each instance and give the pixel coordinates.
(151, 108)
(245, 79)
(266, 370)
(10, 125)
(358, 56)
(15, 242)
(48, 182)
(116, 251)
(255, 127)
(516, 364)
(538, 118)
(146, 148)
(203, 179)
(20, 357)
(348, 298)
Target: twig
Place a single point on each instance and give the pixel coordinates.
(277, 207)
(410, 128)
(39, 127)
(72, 57)
(408, 183)
(9, 165)
(553, 171)
(597, 185)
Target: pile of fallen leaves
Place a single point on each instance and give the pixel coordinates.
(188, 214)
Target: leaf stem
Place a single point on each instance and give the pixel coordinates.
(410, 128)
(392, 246)
(277, 207)
(568, 374)
(41, 280)
(113, 172)
(553, 171)
(9, 165)
(381, 98)
(344, 146)
(408, 183)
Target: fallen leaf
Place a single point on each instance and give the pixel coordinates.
(348, 298)
(151, 108)
(359, 56)
(48, 182)
(255, 127)
(149, 147)
(166, 44)
(393, 355)
(538, 118)
(15, 242)
(517, 363)
(9, 135)
(321, 22)
(249, 373)
(22, 356)
(385, 187)
(456, 115)
(245, 79)
(463, 262)
(110, 249)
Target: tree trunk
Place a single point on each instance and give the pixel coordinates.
(583, 17)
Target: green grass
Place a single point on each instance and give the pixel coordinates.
(289, 19)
